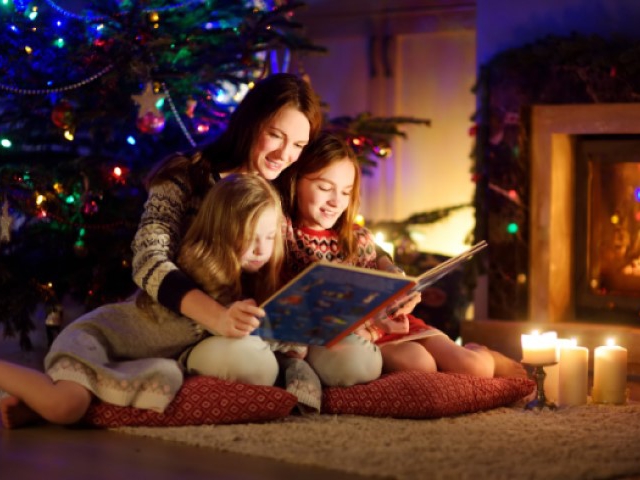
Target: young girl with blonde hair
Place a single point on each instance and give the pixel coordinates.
(321, 196)
(128, 353)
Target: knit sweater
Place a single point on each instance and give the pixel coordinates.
(169, 210)
(306, 245)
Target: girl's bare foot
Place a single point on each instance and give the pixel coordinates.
(15, 413)
(507, 367)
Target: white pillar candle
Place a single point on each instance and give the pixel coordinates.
(552, 378)
(551, 383)
(539, 349)
(610, 374)
(573, 374)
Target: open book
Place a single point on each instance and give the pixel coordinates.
(327, 301)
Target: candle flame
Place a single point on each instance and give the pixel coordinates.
(611, 342)
(535, 332)
(573, 342)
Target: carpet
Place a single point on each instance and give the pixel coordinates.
(585, 442)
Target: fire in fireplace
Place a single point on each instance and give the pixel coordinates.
(607, 233)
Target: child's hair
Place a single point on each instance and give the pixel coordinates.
(223, 230)
(328, 148)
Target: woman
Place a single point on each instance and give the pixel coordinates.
(265, 134)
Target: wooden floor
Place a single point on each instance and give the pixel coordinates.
(56, 453)
(52, 453)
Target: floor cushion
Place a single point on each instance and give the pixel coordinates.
(202, 400)
(413, 394)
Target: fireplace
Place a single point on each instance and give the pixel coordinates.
(561, 288)
(607, 227)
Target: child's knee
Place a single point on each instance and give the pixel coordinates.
(353, 360)
(248, 360)
(69, 407)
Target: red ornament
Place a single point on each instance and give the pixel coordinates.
(62, 115)
(150, 123)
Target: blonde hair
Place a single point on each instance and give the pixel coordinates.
(317, 156)
(223, 230)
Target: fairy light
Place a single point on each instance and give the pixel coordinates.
(6, 143)
(45, 91)
(68, 134)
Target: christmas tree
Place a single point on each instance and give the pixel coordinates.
(89, 99)
(91, 96)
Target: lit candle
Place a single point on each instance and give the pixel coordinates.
(573, 373)
(539, 349)
(610, 374)
(552, 378)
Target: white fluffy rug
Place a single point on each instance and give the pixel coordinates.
(587, 442)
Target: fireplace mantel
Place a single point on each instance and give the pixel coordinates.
(554, 129)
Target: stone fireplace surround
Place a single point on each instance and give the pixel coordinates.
(554, 129)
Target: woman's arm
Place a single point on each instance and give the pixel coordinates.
(156, 242)
(155, 246)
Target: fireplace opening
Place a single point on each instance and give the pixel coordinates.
(607, 228)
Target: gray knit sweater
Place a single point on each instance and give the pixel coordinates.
(168, 212)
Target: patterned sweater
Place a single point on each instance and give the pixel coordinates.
(169, 210)
(306, 245)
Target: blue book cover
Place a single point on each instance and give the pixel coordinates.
(327, 301)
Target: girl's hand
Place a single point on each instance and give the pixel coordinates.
(385, 263)
(397, 324)
(408, 304)
(240, 319)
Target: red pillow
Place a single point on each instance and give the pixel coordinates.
(202, 400)
(412, 394)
